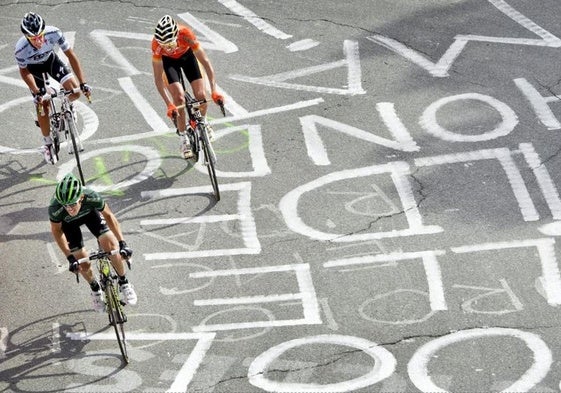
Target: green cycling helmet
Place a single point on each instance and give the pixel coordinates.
(68, 190)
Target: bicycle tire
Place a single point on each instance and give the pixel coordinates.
(54, 129)
(56, 143)
(210, 159)
(73, 131)
(116, 318)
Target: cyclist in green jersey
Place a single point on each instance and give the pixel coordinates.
(73, 206)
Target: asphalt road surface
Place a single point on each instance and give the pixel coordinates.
(390, 203)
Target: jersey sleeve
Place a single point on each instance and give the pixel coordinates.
(56, 211)
(156, 51)
(187, 36)
(95, 199)
(19, 52)
(60, 40)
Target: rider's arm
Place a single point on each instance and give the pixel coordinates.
(202, 57)
(60, 238)
(158, 68)
(29, 80)
(76, 66)
(112, 222)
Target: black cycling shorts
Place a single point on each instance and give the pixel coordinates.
(95, 223)
(188, 62)
(53, 66)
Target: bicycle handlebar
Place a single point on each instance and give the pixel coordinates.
(97, 255)
(60, 93)
(197, 104)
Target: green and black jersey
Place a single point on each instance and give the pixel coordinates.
(92, 201)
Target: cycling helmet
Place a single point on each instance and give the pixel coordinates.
(32, 24)
(166, 30)
(68, 190)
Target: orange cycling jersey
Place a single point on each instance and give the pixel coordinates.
(186, 39)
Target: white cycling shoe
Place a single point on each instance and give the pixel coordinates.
(185, 148)
(47, 151)
(129, 294)
(210, 133)
(97, 300)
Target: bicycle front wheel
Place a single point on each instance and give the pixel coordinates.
(56, 140)
(210, 160)
(73, 131)
(117, 318)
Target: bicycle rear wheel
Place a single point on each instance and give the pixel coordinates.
(210, 160)
(73, 131)
(117, 318)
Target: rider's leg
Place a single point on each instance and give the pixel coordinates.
(44, 124)
(85, 268)
(198, 87)
(69, 82)
(178, 96)
(108, 242)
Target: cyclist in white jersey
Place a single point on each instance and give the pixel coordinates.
(35, 55)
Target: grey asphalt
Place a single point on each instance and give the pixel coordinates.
(389, 209)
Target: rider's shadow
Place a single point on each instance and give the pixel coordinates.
(47, 349)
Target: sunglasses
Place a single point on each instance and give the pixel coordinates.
(72, 205)
(37, 38)
(171, 44)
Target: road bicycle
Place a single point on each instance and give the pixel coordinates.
(108, 280)
(199, 137)
(63, 124)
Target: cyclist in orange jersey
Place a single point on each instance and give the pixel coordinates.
(174, 48)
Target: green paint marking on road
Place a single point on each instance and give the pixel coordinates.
(41, 179)
(241, 147)
(102, 171)
(103, 175)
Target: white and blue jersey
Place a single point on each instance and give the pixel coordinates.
(44, 59)
(27, 54)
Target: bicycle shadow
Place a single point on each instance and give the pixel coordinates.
(44, 349)
(134, 199)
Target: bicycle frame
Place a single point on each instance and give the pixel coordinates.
(200, 140)
(63, 123)
(109, 285)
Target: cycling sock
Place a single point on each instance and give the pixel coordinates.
(123, 280)
(48, 140)
(94, 285)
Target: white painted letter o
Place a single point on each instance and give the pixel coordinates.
(429, 123)
(418, 370)
(384, 365)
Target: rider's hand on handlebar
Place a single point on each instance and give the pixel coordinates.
(217, 98)
(37, 98)
(86, 89)
(124, 250)
(73, 264)
(171, 109)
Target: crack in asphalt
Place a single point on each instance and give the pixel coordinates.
(420, 191)
(336, 357)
